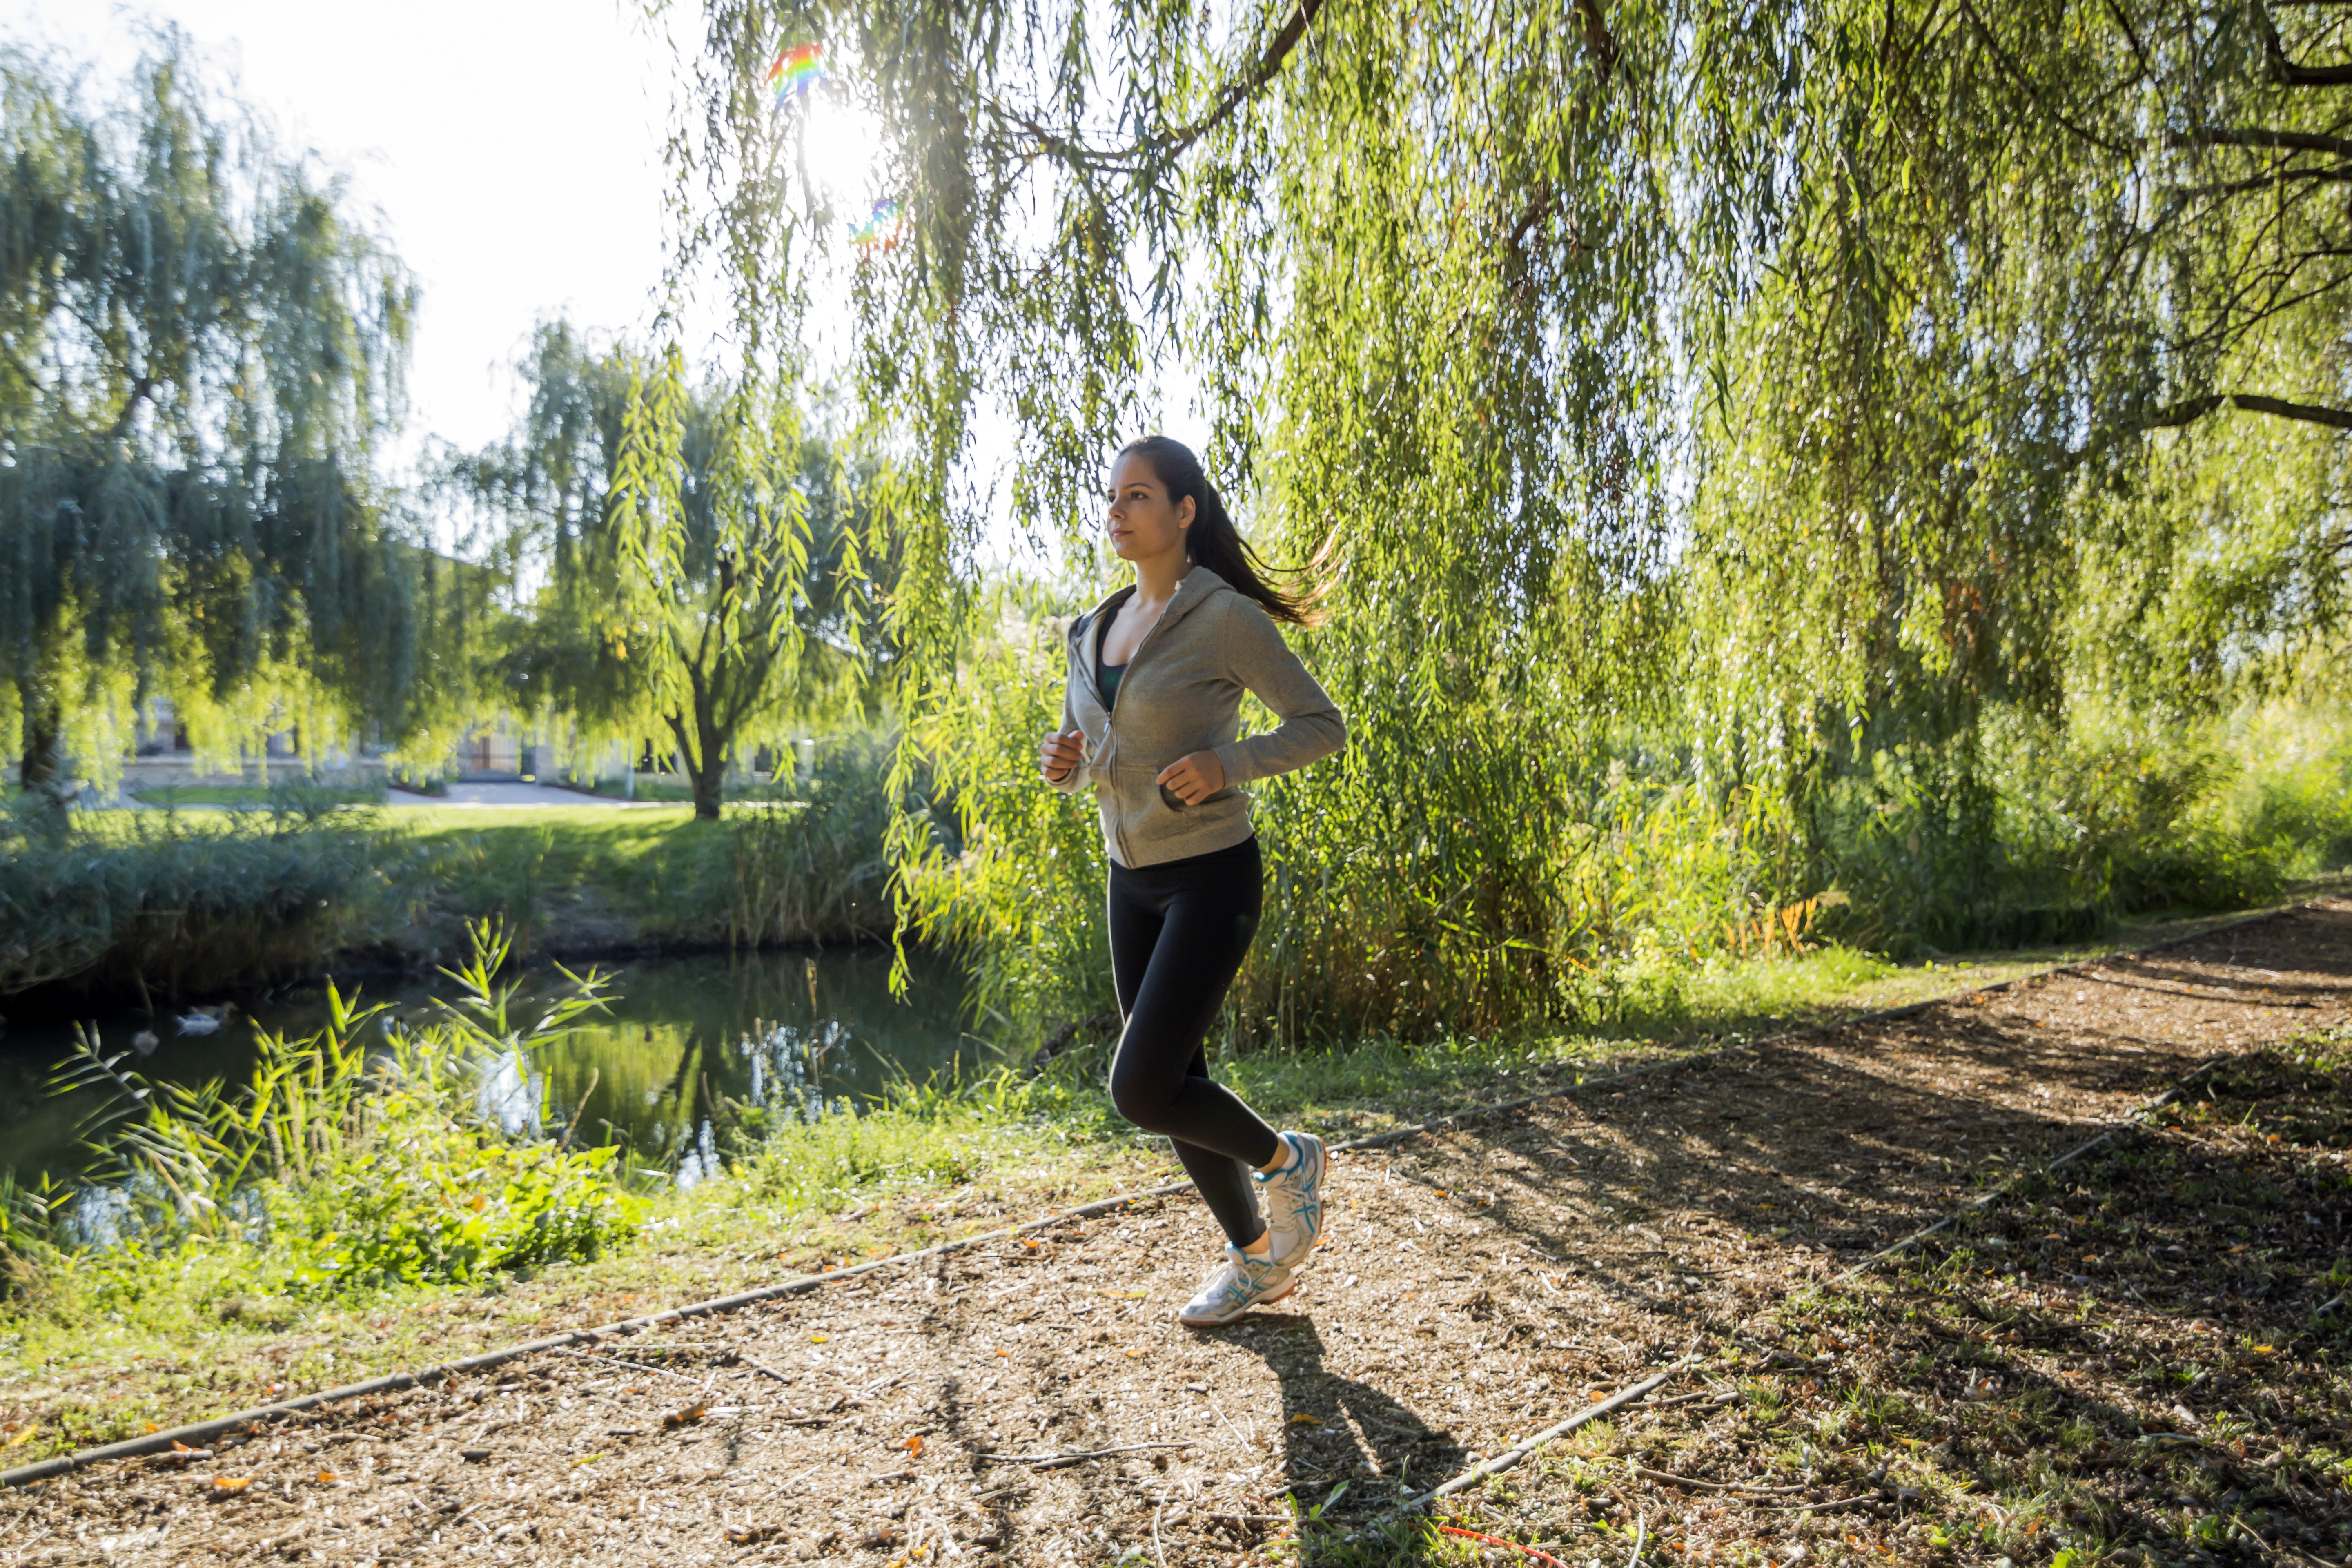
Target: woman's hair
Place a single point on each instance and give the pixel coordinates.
(1214, 539)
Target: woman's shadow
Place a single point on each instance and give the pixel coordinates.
(1340, 1432)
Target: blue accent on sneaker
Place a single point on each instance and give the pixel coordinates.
(1240, 1283)
(1294, 1200)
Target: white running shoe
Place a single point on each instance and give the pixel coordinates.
(1240, 1283)
(1294, 1200)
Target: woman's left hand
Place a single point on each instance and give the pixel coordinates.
(1195, 776)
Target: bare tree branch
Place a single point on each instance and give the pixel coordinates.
(2284, 70)
(1158, 150)
(2257, 136)
(2190, 410)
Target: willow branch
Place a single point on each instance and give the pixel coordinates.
(1601, 45)
(2191, 410)
(2285, 71)
(1163, 147)
(2264, 182)
(2123, 20)
(1598, 40)
(142, 392)
(2259, 136)
(2017, 74)
(1269, 66)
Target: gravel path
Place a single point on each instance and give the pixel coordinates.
(1478, 1283)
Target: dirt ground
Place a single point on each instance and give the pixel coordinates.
(2133, 1358)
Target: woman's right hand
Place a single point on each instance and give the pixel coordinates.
(1059, 753)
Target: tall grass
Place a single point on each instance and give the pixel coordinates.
(1480, 862)
(160, 900)
(354, 1156)
(812, 868)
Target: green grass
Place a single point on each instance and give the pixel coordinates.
(254, 798)
(572, 874)
(670, 787)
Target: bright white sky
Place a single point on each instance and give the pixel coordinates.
(510, 147)
(511, 150)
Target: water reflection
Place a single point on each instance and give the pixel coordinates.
(795, 1034)
(508, 1096)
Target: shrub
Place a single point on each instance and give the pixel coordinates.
(245, 896)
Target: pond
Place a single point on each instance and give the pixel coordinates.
(679, 1031)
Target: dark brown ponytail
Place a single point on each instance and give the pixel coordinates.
(1215, 542)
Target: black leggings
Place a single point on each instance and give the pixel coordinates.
(1178, 932)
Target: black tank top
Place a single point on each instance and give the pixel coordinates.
(1107, 675)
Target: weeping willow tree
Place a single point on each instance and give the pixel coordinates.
(698, 544)
(1715, 414)
(199, 350)
(2034, 410)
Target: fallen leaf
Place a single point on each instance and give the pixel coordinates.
(18, 1439)
(819, 1339)
(1303, 1419)
(326, 1478)
(228, 1485)
(914, 1444)
(150, 1427)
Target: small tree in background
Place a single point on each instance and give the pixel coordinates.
(199, 348)
(692, 539)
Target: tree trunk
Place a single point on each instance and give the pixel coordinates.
(707, 778)
(43, 772)
(705, 759)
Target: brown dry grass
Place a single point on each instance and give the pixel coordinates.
(2046, 1378)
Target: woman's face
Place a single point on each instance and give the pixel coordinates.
(1143, 522)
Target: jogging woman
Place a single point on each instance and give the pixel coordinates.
(1149, 720)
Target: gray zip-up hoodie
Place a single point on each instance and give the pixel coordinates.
(1182, 693)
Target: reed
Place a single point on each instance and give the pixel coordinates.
(153, 901)
(358, 1155)
(812, 868)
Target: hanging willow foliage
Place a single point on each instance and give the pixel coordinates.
(707, 599)
(1715, 411)
(198, 351)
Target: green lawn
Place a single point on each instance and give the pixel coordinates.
(248, 797)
